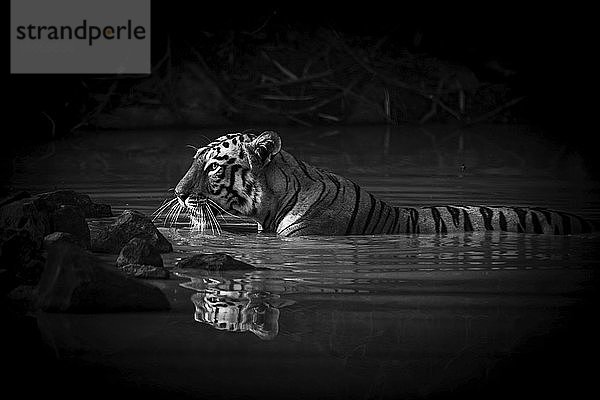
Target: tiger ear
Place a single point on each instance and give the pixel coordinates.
(263, 148)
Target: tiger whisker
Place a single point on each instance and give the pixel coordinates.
(163, 208)
(168, 214)
(221, 209)
(176, 216)
(206, 217)
(202, 221)
(221, 215)
(211, 218)
(203, 214)
(156, 214)
(198, 221)
(176, 219)
(214, 222)
(171, 214)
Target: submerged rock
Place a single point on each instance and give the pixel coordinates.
(55, 237)
(215, 262)
(71, 219)
(129, 225)
(139, 258)
(145, 271)
(140, 251)
(74, 280)
(52, 200)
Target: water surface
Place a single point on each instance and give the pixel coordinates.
(495, 314)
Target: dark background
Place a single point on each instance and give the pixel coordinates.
(549, 48)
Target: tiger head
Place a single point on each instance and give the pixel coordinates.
(229, 173)
(239, 311)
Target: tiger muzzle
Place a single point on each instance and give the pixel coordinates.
(186, 185)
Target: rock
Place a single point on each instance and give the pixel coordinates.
(215, 262)
(25, 215)
(20, 256)
(140, 251)
(139, 258)
(71, 219)
(24, 222)
(74, 280)
(54, 237)
(130, 224)
(95, 210)
(53, 200)
(23, 297)
(22, 228)
(145, 271)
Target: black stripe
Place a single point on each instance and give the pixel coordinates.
(246, 182)
(385, 221)
(337, 188)
(585, 226)
(522, 214)
(303, 168)
(502, 220)
(313, 205)
(537, 227)
(355, 211)
(378, 218)
(487, 215)
(468, 227)
(566, 223)
(233, 170)
(436, 218)
(547, 214)
(287, 178)
(414, 219)
(455, 212)
(370, 214)
(295, 230)
(291, 203)
(316, 202)
(265, 225)
(393, 226)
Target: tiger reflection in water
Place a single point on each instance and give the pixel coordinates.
(239, 310)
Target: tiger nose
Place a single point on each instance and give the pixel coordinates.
(181, 196)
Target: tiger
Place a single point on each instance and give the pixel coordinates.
(249, 174)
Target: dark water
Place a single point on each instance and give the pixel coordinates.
(491, 314)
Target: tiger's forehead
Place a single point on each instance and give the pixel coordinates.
(223, 145)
